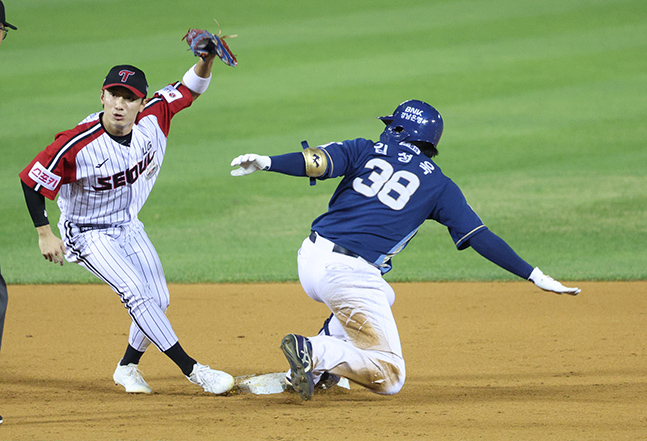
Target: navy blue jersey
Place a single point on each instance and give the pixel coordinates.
(387, 192)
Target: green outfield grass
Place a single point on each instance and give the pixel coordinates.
(543, 101)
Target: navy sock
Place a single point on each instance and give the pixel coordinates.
(132, 355)
(181, 358)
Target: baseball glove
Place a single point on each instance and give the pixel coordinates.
(204, 43)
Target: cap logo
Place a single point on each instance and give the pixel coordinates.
(414, 114)
(124, 74)
(413, 110)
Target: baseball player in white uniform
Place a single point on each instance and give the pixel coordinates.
(103, 170)
(389, 188)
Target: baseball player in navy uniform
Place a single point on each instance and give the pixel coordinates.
(102, 171)
(4, 297)
(389, 188)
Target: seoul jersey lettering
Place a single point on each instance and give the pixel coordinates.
(129, 176)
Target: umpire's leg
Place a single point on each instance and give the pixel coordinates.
(4, 297)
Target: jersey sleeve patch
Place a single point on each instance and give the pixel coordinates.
(44, 177)
(170, 93)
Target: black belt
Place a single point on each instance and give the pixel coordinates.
(335, 249)
(86, 227)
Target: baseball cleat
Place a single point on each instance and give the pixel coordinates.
(327, 381)
(131, 378)
(211, 380)
(298, 351)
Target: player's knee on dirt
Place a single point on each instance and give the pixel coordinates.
(389, 378)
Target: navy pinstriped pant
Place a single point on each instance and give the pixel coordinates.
(125, 259)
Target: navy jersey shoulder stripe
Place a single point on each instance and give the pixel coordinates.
(152, 102)
(79, 138)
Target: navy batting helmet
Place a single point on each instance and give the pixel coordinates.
(415, 122)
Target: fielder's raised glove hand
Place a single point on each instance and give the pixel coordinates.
(547, 283)
(204, 43)
(249, 163)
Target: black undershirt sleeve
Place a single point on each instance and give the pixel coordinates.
(36, 205)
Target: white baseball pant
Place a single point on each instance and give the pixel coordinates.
(364, 345)
(124, 258)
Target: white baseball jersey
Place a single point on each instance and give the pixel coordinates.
(101, 186)
(99, 181)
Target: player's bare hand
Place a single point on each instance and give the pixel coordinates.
(547, 283)
(51, 247)
(249, 163)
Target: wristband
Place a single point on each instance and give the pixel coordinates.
(195, 83)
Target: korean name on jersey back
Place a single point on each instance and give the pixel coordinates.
(128, 176)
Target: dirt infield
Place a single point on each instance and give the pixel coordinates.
(494, 361)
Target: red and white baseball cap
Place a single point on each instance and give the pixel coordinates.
(129, 77)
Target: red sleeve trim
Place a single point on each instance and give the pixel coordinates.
(56, 165)
(166, 103)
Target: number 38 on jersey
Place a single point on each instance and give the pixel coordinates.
(392, 189)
